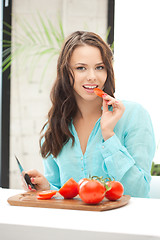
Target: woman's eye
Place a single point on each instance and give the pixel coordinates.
(81, 68)
(100, 67)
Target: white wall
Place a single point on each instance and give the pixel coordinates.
(137, 51)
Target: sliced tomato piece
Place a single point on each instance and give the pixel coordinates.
(99, 92)
(70, 189)
(43, 197)
(47, 193)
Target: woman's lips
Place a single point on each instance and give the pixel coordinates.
(90, 88)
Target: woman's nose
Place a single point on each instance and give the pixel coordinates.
(91, 75)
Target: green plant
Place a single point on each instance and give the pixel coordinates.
(107, 34)
(33, 43)
(155, 170)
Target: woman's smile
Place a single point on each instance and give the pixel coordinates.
(90, 87)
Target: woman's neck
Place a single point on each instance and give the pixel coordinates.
(89, 109)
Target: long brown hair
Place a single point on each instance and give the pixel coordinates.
(64, 105)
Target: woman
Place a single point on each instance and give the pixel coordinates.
(88, 135)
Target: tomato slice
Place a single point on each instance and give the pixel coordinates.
(43, 198)
(116, 191)
(98, 92)
(46, 194)
(70, 189)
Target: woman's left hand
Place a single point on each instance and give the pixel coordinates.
(110, 118)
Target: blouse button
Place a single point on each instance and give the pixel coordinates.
(103, 147)
(82, 168)
(81, 158)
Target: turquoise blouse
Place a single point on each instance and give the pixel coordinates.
(126, 156)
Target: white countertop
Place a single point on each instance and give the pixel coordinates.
(139, 219)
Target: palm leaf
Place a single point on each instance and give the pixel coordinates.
(45, 28)
(6, 52)
(108, 32)
(107, 35)
(38, 41)
(7, 63)
(61, 29)
(45, 68)
(28, 35)
(33, 33)
(39, 31)
(7, 25)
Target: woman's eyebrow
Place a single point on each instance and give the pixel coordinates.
(80, 64)
(86, 64)
(99, 63)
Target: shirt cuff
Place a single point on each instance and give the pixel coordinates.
(117, 160)
(110, 146)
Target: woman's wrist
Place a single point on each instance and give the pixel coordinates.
(108, 135)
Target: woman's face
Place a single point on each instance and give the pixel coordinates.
(89, 71)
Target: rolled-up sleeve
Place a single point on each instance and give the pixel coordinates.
(130, 162)
(116, 158)
(51, 172)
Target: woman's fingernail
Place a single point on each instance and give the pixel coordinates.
(29, 187)
(104, 95)
(32, 180)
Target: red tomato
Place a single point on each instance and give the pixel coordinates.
(47, 194)
(70, 189)
(116, 190)
(98, 92)
(92, 191)
(82, 180)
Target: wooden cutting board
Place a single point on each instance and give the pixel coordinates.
(29, 199)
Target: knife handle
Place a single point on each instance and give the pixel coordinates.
(28, 181)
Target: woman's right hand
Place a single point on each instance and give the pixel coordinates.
(38, 179)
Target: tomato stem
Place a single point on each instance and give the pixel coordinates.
(103, 181)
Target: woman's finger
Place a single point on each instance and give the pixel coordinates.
(34, 173)
(37, 180)
(40, 182)
(107, 97)
(112, 102)
(105, 105)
